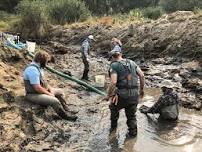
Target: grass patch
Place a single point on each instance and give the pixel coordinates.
(114, 20)
(7, 21)
(198, 11)
(134, 16)
(4, 26)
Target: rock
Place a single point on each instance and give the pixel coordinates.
(9, 78)
(67, 73)
(131, 30)
(190, 83)
(188, 99)
(197, 105)
(2, 89)
(17, 73)
(191, 66)
(52, 59)
(92, 110)
(184, 73)
(9, 97)
(16, 56)
(177, 78)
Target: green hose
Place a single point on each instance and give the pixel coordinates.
(73, 79)
(60, 73)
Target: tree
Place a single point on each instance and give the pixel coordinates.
(116, 6)
(8, 5)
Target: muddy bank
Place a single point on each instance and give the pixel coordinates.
(178, 34)
(27, 127)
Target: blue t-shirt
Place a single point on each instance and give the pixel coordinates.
(32, 74)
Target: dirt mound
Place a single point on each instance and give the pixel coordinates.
(178, 34)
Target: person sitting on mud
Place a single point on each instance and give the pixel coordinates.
(167, 104)
(85, 50)
(123, 90)
(38, 92)
(116, 44)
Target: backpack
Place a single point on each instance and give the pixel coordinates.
(127, 77)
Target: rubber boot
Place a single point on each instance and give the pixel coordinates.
(63, 102)
(113, 126)
(131, 134)
(66, 116)
(85, 75)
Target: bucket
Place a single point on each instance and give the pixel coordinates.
(31, 46)
(100, 80)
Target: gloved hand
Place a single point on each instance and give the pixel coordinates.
(144, 109)
(87, 59)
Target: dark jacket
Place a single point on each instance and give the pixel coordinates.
(166, 106)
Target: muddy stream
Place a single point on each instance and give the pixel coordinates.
(183, 136)
(91, 131)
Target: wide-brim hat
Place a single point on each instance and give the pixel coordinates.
(167, 84)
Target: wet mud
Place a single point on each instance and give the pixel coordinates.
(28, 127)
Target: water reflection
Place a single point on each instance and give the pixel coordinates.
(116, 146)
(185, 135)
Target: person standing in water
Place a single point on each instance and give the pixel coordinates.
(123, 90)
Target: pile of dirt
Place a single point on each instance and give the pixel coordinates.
(178, 34)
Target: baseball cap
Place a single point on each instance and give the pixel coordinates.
(91, 37)
(116, 50)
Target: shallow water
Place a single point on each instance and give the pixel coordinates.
(92, 132)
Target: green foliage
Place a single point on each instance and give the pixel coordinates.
(152, 12)
(134, 16)
(137, 13)
(169, 5)
(4, 15)
(7, 20)
(3, 25)
(117, 6)
(62, 11)
(34, 18)
(198, 11)
(189, 5)
(8, 5)
(183, 5)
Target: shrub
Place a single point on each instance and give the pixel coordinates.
(63, 11)
(34, 19)
(152, 12)
(169, 5)
(137, 13)
(183, 5)
(7, 20)
(3, 26)
(134, 16)
(8, 5)
(198, 11)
